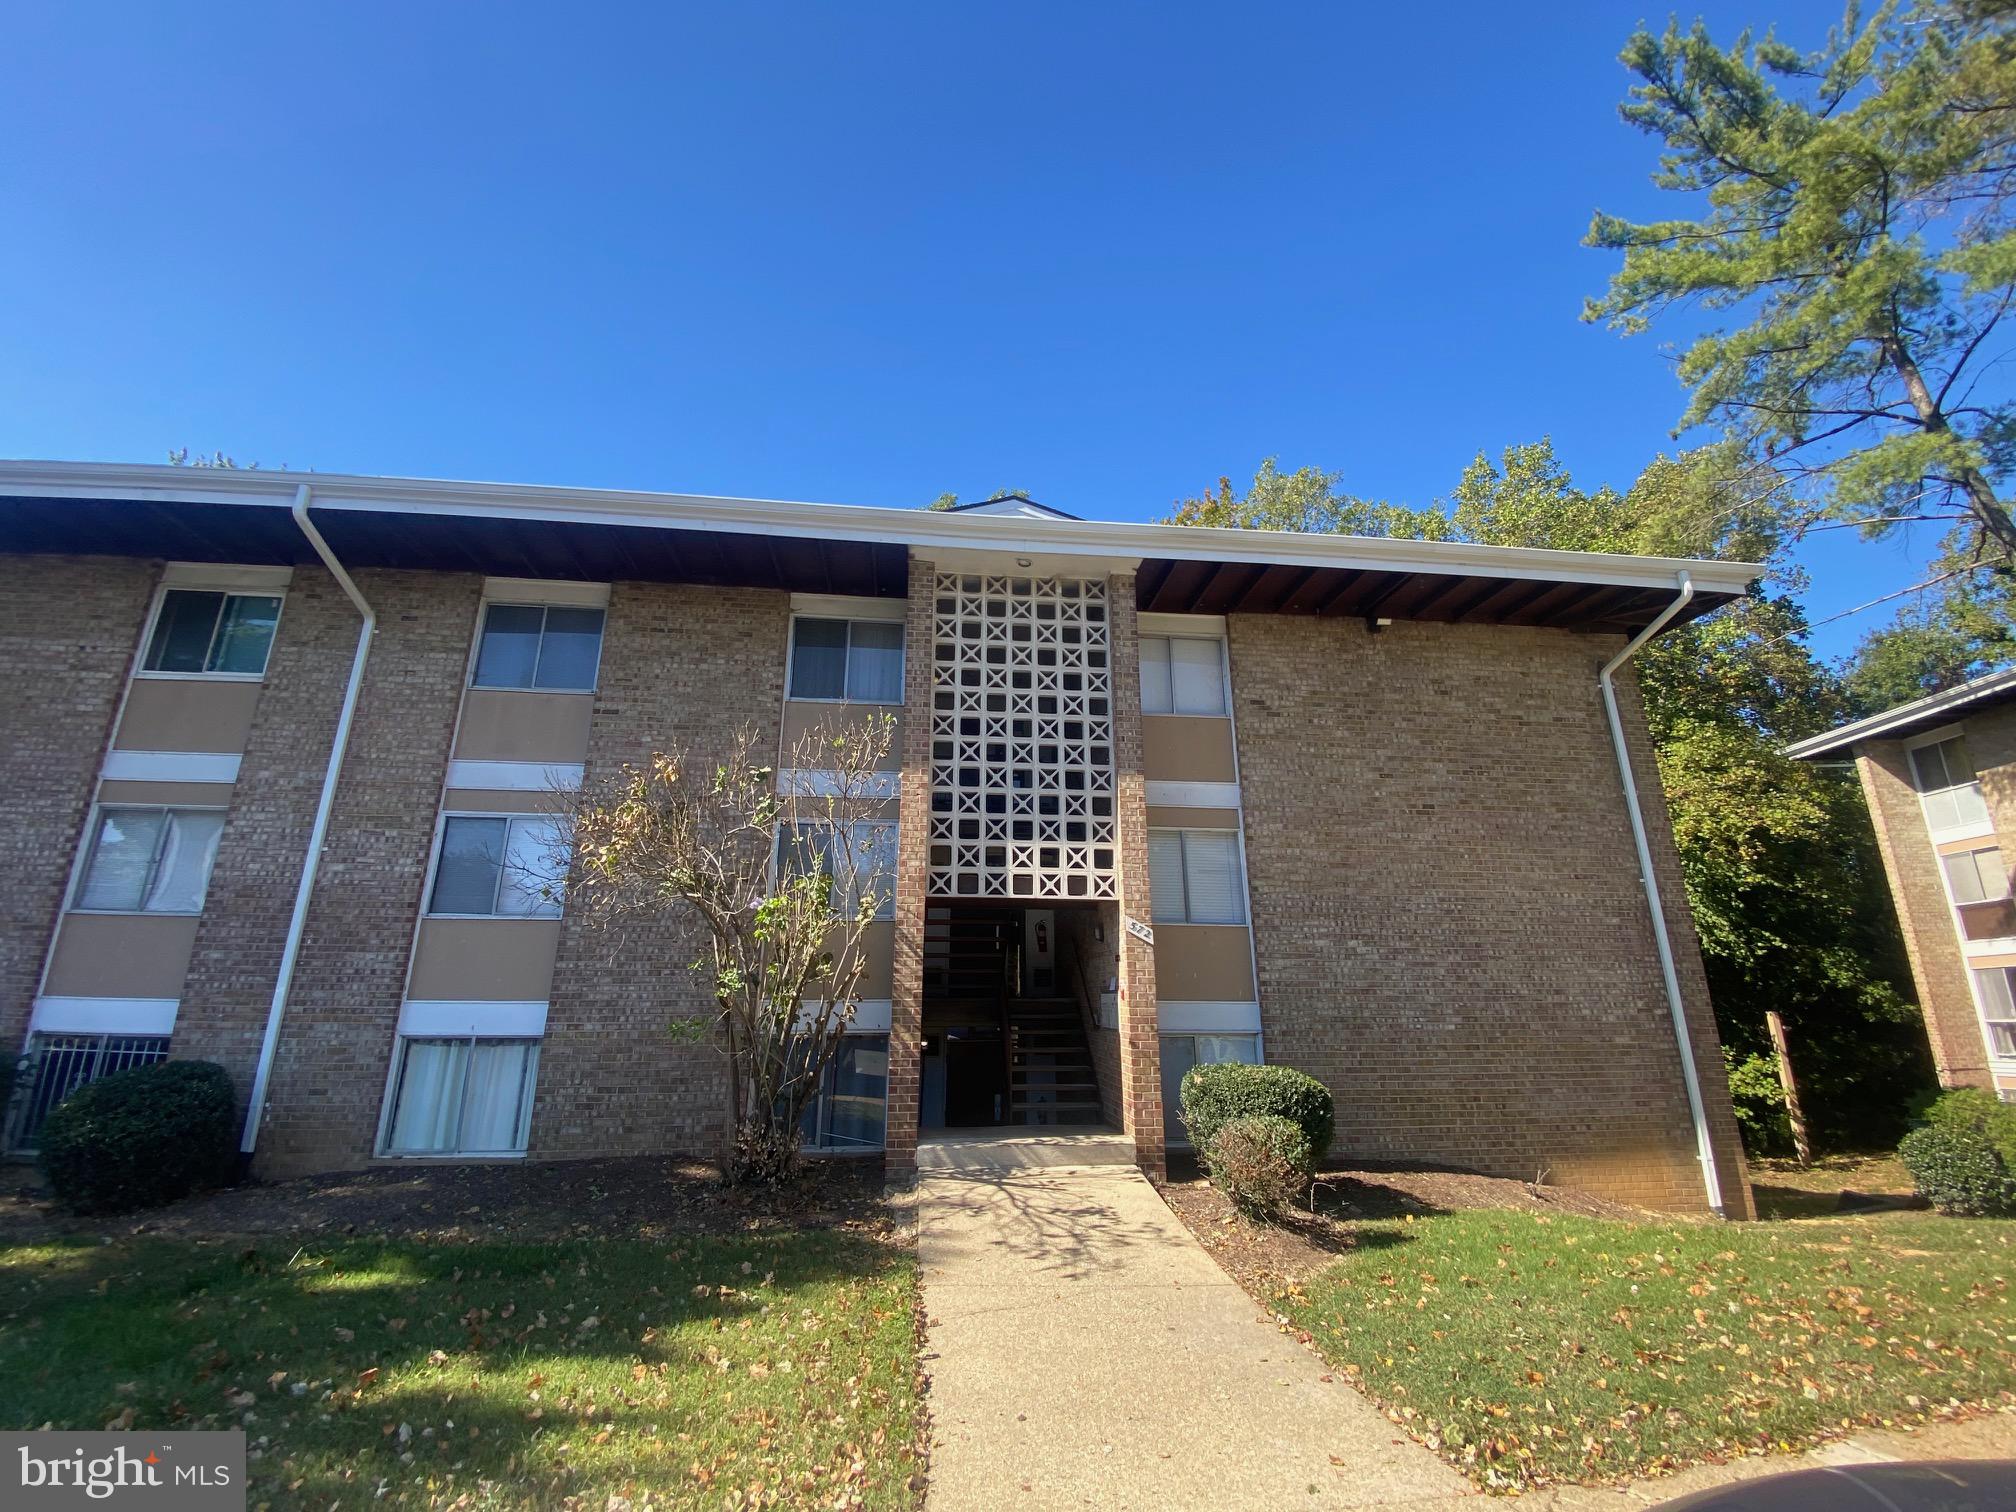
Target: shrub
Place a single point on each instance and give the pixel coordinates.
(142, 1137)
(1216, 1094)
(1963, 1161)
(1261, 1161)
(1757, 1097)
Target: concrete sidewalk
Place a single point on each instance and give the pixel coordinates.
(1084, 1351)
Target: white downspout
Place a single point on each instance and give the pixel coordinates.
(297, 925)
(1704, 1147)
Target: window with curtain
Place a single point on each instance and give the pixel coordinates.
(1182, 1051)
(1194, 877)
(1944, 777)
(150, 860)
(847, 661)
(503, 866)
(1977, 876)
(851, 1107)
(199, 633)
(550, 647)
(1182, 674)
(1995, 991)
(865, 866)
(463, 1097)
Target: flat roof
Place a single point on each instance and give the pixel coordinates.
(1909, 719)
(532, 530)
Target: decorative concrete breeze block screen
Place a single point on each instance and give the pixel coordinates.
(1021, 739)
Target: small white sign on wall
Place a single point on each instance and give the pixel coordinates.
(1141, 931)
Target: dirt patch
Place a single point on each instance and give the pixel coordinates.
(645, 1198)
(1262, 1258)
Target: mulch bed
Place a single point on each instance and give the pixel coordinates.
(644, 1198)
(1262, 1258)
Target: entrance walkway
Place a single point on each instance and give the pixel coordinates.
(1085, 1352)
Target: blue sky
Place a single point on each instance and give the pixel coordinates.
(852, 253)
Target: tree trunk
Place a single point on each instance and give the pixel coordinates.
(1981, 500)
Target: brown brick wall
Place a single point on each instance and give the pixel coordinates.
(343, 1010)
(1449, 922)
(1946, 998)
(69, 627)
(681, 666)
(1140, 1043)
(913, 849)
(1991, 744)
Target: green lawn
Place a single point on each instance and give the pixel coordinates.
(750, 1371)
(1533, 1348)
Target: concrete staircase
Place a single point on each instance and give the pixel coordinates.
(1051, 1081)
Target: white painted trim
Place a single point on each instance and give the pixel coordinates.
(103, 1015)
(1217, 795)
(1992, 686)
(842, 606)
(483, 1019)
(808, 782)
(2001, 947)
(936, 535)
(215, 577)
(1201, 1017)
(170, 766)
(549, 592)
(1190, 626)
(516, 776)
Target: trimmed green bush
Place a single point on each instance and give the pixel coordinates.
(1261, 1161)
(1963, 1161)
(1216, 1094)
(142, 1137)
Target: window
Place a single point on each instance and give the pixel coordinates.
(201, 634)
(463, 1097)
(864, 867)
(1182, 675)
(852, 661)
(852, 1103)
(548, 647)
(498, 866)
(1194, 877)
(150, 860)
(1977, 876)
(1993, 987)
(58, 1064)
(1182, 1051)
(1945, 780)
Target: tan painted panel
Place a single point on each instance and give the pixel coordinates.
(187, 714)
(1211, 963)
(500, 725)
(122, 955)
(1162, 816)
(880, 944)
(801, 719)
(478, 960)
(500, 801)
(1982, 962)
(1957, 847)
(168, 794)
(1184, 748)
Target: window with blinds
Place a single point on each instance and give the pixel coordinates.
(1182, 674)
(1195, 877)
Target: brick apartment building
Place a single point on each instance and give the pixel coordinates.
(1940, 777)
(1160, 796)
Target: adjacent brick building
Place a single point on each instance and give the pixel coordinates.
(1157, 797)
(1940, 777)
